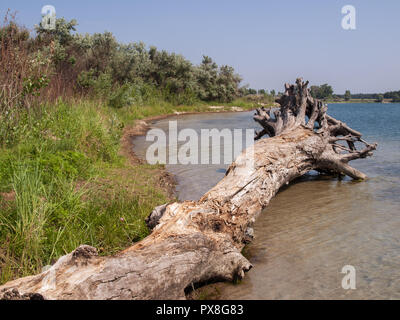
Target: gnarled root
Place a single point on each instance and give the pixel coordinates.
(299, 108)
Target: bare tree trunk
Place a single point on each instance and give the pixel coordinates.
(196, 242)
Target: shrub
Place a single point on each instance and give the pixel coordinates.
(121, 97)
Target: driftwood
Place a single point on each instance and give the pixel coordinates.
(196, 242)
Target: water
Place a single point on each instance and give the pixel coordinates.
(195, 180)
(314, 227)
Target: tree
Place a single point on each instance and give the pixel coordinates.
(61, 33)
(195, 242)
(273, 93)
(322, 92)
(215, 83)
(347, 95)
(227, 83)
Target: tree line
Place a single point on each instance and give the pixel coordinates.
(325, 92)
(62, 62)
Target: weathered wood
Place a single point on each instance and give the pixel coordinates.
(195, 242)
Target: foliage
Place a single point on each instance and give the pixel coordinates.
(60, 200)
(324, 91)
(81, 61)
(347, 95)
(61, 33)
(396, 97)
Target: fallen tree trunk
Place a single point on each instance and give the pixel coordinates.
(196, 242)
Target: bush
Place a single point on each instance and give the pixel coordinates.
(121, 97)
(100, 86)
(59, 63)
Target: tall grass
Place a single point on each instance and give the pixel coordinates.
(26, 223)
(51, 219)
(24, 72)
(70, 187)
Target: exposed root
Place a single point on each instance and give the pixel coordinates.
(298, 107)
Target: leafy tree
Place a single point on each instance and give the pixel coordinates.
(227, 83)
(252, 91)
(98, 64)
(217, 83)
(347, 95)
(171, 71)
(61, 33)
(324, 91)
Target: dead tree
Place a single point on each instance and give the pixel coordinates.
(196, 242)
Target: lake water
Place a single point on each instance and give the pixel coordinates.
(315, 227)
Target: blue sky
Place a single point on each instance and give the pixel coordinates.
(267, 42)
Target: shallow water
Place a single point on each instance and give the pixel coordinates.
(314, 227)
(195, 180)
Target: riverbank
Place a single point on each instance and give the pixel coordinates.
(69, 176)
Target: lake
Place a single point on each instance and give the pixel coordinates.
(316, 226)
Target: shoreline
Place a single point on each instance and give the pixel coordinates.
(357, 102)
(141, 127)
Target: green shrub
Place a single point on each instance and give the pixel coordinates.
(100, 85)
(121, 97)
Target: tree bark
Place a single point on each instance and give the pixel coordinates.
(197, 242)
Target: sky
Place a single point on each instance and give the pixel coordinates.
(268, 42)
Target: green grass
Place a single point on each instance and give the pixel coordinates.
(52, 166)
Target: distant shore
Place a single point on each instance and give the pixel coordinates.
(358, 101)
